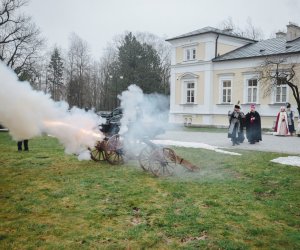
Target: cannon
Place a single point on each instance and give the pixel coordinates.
(115, 149)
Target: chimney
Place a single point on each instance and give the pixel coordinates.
(228, 30)
(293, 32)
(280, 34)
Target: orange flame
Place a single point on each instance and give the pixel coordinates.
(81, 131)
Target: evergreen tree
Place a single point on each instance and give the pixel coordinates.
(55, 75)
(138, 64)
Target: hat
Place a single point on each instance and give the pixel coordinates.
(252, 106)
(288, 105)
(237, 106)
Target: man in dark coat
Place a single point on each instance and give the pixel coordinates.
(25, 145)
(235, 119)
(241, 136)
(253, 126)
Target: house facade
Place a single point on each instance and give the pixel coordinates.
(212, 70)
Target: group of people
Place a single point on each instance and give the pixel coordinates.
(285, 121)
(284, 124)
(238, 121)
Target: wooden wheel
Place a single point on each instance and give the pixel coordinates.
(144, 158)
(98, 152)
(162, 162)
(114, 150)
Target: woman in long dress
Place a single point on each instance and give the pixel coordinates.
(281, 126)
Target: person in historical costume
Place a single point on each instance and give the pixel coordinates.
(281, 125)
(298, 128)
(25, 142)
(235, 119)
(241, 136)
(290, 118)
(253, 125)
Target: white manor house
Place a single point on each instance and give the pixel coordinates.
(213, 69)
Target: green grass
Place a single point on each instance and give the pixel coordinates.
(50, 200)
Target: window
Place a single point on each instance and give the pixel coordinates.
(252, 90)
(281, 93)
(190, 92)
(189, 85)
(190, 54)
(226, 91)
(226, 88)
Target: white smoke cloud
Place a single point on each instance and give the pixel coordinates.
(144, 116)
(28, 113)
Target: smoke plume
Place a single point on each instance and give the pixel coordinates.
(144, 116)
(28, 113)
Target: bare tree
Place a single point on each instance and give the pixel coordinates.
(107, 63)
(278, 71)
(78, 66)
(228, 25)
(20, 40)
(39, 82)
(253, 32)
(249, 31)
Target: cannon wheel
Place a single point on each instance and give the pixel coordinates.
(114, 150)
(98, 152)
(144, 158)
(162, 162)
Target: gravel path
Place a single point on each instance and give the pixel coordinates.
(270, 143)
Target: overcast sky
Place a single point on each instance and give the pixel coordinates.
(98, 21)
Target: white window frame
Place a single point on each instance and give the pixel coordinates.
(185, 80)
(286, 93)
(246, 89)
(192, 51)
(190, 92)
(223, 79)
(274, 93)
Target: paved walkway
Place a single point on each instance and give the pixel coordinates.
(270, 143)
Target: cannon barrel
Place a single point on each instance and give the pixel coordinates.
(186, 163)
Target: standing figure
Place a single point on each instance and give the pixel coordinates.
(253, 125)
(235, 119)
(298, 128)
(241, 136)
(25, 145)
(290, 118)
(281, 125)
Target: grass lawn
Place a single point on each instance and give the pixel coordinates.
(50, 200)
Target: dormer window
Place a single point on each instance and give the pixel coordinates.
(190, 54)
